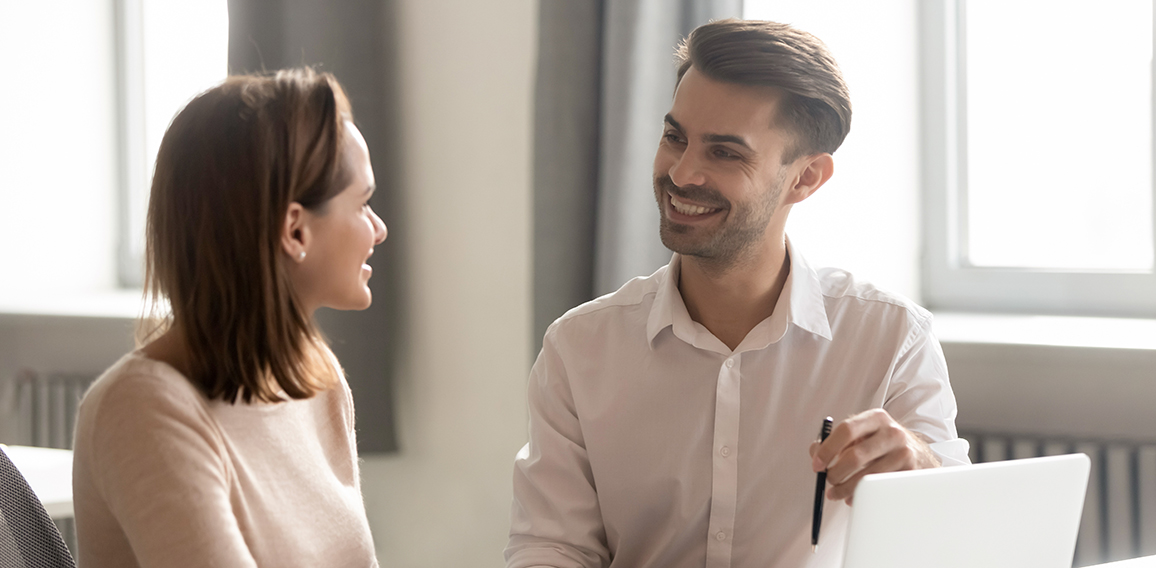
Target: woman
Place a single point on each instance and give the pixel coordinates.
(227, 440)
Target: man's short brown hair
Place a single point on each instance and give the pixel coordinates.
(816, 105)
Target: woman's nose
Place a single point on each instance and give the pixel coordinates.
(380, 230)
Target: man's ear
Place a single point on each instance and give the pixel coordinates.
(295, 235)
(815, 171)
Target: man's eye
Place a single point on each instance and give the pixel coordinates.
(672, 137)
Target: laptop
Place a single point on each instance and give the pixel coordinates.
(1011, 514)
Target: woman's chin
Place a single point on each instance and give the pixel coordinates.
(352, 304)
(363, 301)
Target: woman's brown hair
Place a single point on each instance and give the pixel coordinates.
(227, 170)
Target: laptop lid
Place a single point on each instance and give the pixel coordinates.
(1010, 514)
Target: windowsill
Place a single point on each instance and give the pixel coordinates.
(111, 304)
(1055, 331)
(949, 327)
(1078, 378)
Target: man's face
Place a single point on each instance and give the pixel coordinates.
(718, 173)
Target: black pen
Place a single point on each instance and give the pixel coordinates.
(820, 489)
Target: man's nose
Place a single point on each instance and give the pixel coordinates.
(687, 170)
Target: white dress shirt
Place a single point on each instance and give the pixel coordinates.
(653, 445)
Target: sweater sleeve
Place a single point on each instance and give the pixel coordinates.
(161, 468)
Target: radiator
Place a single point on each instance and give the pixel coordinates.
(45, 407)
(1119, 519)
(43, 410)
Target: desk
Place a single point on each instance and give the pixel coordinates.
(49, 473)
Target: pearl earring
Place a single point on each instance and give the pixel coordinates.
(300, 256)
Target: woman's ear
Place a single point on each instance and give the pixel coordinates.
(817, 169)
(295, 232)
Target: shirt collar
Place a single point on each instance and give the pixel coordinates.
(808, 310)
(801, 304)
(666, 300)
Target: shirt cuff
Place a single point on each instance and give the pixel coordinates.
(952, 452)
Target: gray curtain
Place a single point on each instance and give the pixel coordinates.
(354, 41)
(605, 80)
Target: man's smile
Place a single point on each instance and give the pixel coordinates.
(689, 208)
(683, 212)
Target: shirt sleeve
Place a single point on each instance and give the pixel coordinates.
(919, 395)
(556, 519)
(161, 468)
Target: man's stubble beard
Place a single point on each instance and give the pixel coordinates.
(727, 246)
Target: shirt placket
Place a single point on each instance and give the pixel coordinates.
(724, 483)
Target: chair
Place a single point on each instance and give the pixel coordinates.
(28, 537)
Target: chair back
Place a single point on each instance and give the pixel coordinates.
(28, 537)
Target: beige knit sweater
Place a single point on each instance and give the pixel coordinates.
(163, 477)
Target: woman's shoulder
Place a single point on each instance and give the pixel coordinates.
(143, 424)
(136, 378)
(137, 395)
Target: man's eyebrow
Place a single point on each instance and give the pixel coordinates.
(711, 138)
(716, 138)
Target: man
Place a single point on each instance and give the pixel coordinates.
(672, 423)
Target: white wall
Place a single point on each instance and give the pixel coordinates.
(1053, 391)
(466, 85)
(867, 218)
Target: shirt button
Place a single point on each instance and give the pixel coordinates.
(730, 363)
(725, 451)
(721, 536)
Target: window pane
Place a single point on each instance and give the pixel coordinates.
(185, 50)
(1059, 134)
(57, 149)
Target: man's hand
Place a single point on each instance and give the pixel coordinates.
(868, 442)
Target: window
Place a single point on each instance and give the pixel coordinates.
(1037, 140)
(171, 51)
(58, 159)
(88, 95)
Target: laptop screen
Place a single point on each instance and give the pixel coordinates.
(1010, 514)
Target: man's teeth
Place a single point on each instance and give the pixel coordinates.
(687, 209)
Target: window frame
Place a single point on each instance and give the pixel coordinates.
(949, 282)
(135, 160)
(129, 52)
